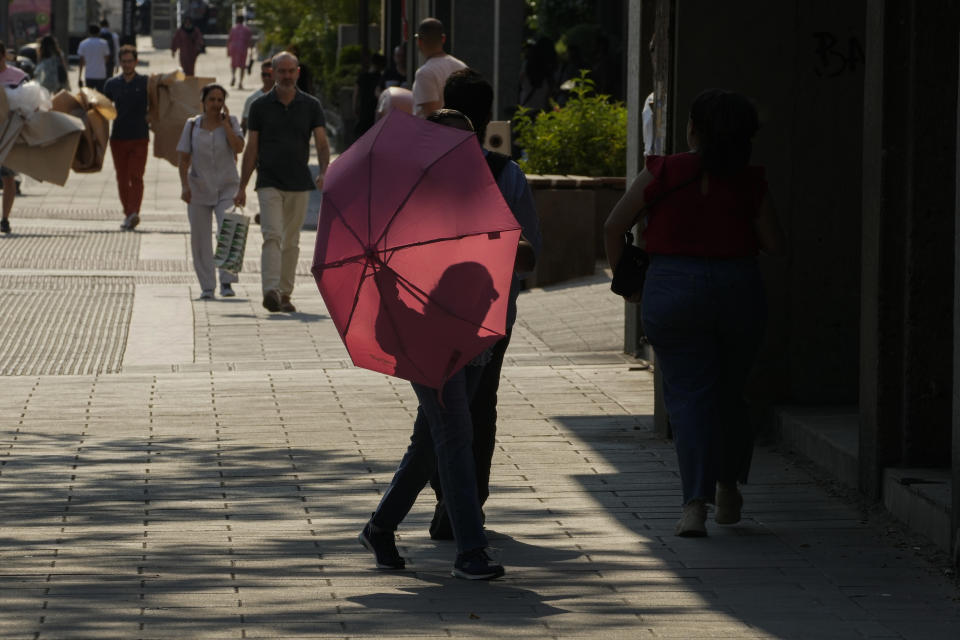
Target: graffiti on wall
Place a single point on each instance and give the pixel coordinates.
(836, 56)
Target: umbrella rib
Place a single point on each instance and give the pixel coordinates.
(436, 240)
(339, 263)
(414, 186)
(356, 300)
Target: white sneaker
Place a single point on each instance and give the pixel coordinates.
(693, 522)
(226, 291)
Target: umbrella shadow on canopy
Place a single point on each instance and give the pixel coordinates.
(452, 314)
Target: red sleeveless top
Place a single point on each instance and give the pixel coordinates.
(686, 222)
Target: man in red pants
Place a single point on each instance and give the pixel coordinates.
(130, 135)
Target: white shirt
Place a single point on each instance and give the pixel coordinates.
(94, 51)
(213, 164)
(429, 80)
(246, 105)
(648, 133)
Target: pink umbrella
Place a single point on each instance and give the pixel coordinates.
(415, 250)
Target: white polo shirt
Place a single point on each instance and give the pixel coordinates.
(429, 80)
(94, 51)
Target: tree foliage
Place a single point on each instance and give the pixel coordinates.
(587, 136)
(310, 26)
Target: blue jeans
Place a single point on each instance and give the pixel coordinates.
(442, 441)
(705, 319)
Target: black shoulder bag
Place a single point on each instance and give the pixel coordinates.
(631, 270)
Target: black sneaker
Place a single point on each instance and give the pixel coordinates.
(271, 301)
(383, 546)
(4, 225)
(476, 565)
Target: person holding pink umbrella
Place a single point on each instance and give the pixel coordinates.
(442, 440)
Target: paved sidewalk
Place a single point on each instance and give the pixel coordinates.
(178, 468)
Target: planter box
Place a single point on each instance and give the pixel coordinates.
(572, 210)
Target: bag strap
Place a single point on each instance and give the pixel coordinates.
(663, 195)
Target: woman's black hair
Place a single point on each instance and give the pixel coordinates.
(210, 87)
(725, 123)
(49, 47)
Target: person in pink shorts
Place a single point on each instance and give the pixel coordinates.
(238, 43)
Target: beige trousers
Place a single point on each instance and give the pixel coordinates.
(281, 215)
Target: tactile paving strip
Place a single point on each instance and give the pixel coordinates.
(63, 325)
(89, 213)
(53, 248)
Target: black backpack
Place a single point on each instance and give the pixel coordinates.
(497, 163)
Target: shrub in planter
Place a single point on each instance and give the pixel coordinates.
(587, 136)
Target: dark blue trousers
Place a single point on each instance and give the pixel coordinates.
(705, 319)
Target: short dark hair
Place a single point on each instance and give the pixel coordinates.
(725, 123)
(440, 115)
(430, 30)
(104, 23)
(213, 86)
(240, 19)
(127, 48)
(93, 30)
(468, 92)
(266, 64)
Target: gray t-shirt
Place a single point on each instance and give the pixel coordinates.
(284, 132)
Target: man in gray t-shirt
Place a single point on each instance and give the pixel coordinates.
(280, 125)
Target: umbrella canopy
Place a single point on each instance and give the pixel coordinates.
(415, 250)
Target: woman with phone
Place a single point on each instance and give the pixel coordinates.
(208, 149)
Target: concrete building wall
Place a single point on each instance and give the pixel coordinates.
(802, 62)
(487, 36)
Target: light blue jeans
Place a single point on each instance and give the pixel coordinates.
(705, 319)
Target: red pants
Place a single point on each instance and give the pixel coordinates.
(130, 161)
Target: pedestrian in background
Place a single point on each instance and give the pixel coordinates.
(281, 124)
(365, 94)
(208, 150)
(437, 67)
(538, 75)
(188, 40)
(113, 42)
(10, 76)
(94, 55)
(238, 46)
(469, 92)
(708, 215)
(396, 74)
(51, 71)
(130, 134)
(266, 78)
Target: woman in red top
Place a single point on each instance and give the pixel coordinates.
(704, 309)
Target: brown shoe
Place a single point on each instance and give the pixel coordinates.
(286, 305)
(271, 301)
